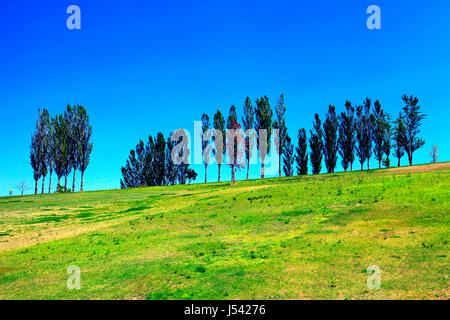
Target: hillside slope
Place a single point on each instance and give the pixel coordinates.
(307, 237)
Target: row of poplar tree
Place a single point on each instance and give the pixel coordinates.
(61, 144)
(151, 164)
(359, 132)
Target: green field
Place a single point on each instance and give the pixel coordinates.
(291, 238)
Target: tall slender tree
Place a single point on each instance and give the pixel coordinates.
(170, 170)
(363, 134)
(71, 141)
(159, 159)
(50, 153)
(248, 120)
(331, 146)
(301, 156)
(280, 124)
(60, 150)
(379, 125)
(232, 124)
(35, 156)
(84, 143)
(412, 120)
(399, 138)
(263, 116)
(316, 145)
(288, 157)
(369, 130)
(219, 125)
(347, 138)
(205, 128)
(387, 143)
(45, 144)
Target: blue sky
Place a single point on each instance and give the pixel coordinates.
(140, 67)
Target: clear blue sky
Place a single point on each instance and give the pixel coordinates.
(140, 67)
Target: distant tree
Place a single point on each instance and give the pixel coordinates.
(331, 146)
(316, 145)
(369, 130)
(205, 128)
(71, 141)
(130, 172)
(60, 148)
(45, 127)
(387, 141)
(232, 124)
(170, 170)
(219, 124)
(248, 120)
(191, 175)
(280, 124)
(22, 186)
(39, 148)
(412, 117)
(85, 146)
(399, 138)
(379, 125)
(159, 159)
(301, 156)
(51, 152)
(434, 154)
(347, 138)
(263, 116)
(288, 157)
(363, 133)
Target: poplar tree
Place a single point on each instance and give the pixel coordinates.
(369, 130)
(280, 124)
(399, 138)
(170, 170)
(263, 116)
(379, 124)
(248, 120)
(205, 128)
(301, 156)
(288, 159)
(347, 137)
(84, 143)
(60, 150)
(316, 145)
(363, 133)
(412, 117)
(219, 125)
(232, 124)
(330, 128)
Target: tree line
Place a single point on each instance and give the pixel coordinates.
(61, 144)
(151, 164)
(360, 132)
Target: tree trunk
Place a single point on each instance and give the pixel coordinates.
(82, 180)
(410, 159)
(262, 170)
(233, 176)
(74, 174)
(43, 183)
(50, 183)
(398, 162)
(65, 183)
(379, 164)
(362, 166)
(279, 164)
(351, 166)
(219, 170)
(368, 166)
(206, 172)
(248, 169)
(58, 185)
(36, 187)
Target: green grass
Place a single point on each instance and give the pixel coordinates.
(307, 237)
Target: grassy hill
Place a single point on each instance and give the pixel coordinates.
(291, 238)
